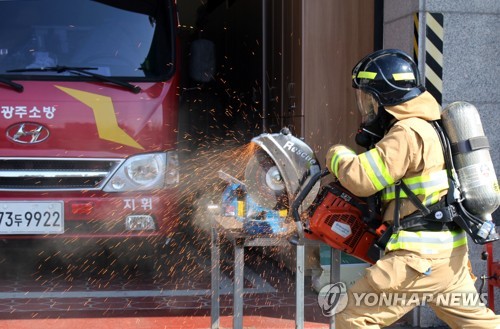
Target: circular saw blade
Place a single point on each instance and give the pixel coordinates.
(264, 182)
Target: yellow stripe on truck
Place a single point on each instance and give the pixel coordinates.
(104, 115)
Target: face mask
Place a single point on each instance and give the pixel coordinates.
(371, 133)
(368, 135)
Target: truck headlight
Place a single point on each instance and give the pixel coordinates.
(145, 172)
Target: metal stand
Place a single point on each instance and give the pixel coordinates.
(240, 242)
(335, 262)
(215, 278)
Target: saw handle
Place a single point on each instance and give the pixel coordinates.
(304, 192)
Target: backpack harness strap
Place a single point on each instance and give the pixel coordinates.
(438, 217)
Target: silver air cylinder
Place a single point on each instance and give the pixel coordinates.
(472, 159)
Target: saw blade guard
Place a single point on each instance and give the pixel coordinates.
(288, 165)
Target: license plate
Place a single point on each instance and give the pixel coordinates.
(32, 217)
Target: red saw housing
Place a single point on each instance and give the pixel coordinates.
(341, 220)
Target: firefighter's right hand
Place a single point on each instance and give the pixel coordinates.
(334, 156)
(329, 156)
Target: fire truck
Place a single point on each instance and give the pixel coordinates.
(88, 119)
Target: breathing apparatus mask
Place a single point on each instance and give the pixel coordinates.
(374, 119)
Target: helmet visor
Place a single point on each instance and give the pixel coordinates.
(367, 105)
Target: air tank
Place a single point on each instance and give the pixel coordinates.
(471, 157)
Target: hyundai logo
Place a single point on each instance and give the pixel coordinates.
(27, 133)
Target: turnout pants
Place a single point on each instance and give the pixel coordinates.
(402, 280)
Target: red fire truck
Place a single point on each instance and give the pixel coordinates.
(88, 119)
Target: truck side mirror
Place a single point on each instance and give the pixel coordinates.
(202, 60)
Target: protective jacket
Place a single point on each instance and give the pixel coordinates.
(410, 151)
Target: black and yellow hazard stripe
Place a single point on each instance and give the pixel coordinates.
(415, 37)
(434, 33)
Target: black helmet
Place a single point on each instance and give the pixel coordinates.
(390, 75)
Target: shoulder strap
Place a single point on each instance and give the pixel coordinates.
(414, 199)
(448, 157)
(409, 193)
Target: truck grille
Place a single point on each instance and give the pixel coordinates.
(43, 174)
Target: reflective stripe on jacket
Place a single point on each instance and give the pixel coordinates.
(429, 186)
(427, 242)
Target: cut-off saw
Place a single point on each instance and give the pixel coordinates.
(284, 174)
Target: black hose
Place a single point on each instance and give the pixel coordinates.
(305, 191)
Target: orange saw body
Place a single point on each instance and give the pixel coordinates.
(287, 175)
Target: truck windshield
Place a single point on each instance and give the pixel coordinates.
(133, 39)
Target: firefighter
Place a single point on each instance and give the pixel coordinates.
(428, 259)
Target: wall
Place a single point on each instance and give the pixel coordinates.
(471, 52)
(335, 35)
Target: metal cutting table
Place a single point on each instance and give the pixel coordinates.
(233, 233)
